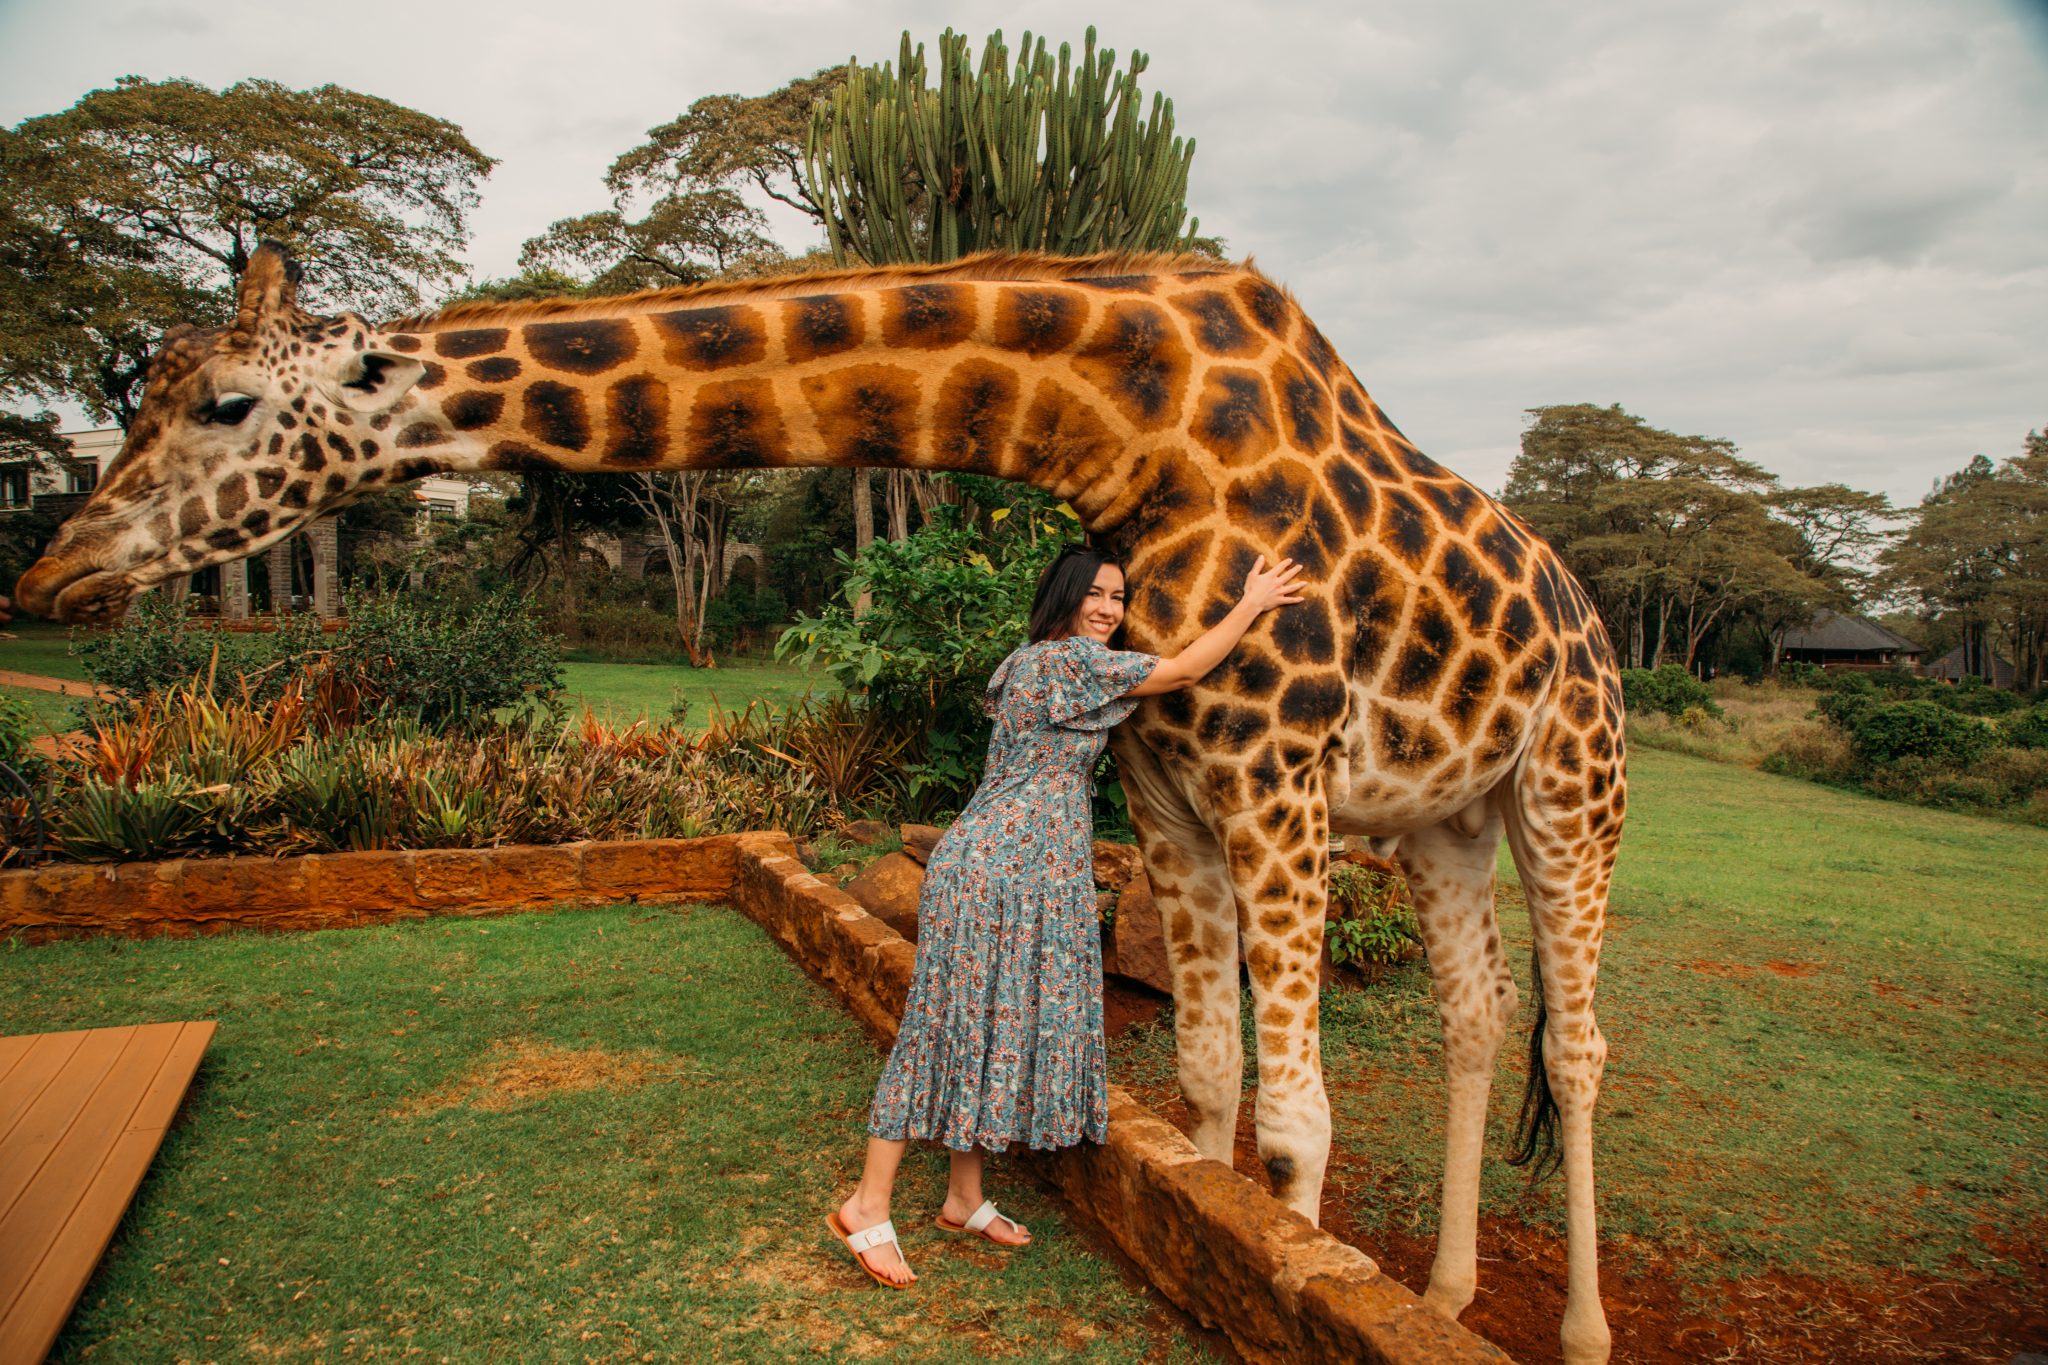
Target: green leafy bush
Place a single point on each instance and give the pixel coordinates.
(946, 606)
(160, 645)
(448, 666)
(1887, 732)
(1371, 919)
(2029, 728)
(18, 730)
(1667, 689)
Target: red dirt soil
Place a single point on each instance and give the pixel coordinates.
(1888, 1318)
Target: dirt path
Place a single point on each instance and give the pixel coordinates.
(63, 687)
(1661, 1310)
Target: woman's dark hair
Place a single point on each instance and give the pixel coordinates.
(1063, 587)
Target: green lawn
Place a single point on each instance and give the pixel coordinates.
(604, 1134)
(1828, 1047)
(39, 647)
(53, 713)
(630, 691)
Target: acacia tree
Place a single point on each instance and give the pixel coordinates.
(1678, 537)
(139, 206)
(1977, 551)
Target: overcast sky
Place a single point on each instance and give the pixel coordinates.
(1819, 229)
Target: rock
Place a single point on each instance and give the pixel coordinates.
(844, 872)
(1117, 865)
(1140, 945)
(889, 890)
(864, 831)
(807, 854)
(918, 841)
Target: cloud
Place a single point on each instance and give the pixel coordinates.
(1812, 226)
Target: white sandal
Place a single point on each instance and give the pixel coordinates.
(867, 1239)
(978, 1221)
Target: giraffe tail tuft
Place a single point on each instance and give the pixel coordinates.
(1536, 1130)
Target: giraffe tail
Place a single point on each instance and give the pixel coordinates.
(1536, 1131)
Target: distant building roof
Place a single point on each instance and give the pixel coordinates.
(1950, 666)
(1831, 631)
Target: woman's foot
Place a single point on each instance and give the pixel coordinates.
(1001, 1229)
(885, 1260)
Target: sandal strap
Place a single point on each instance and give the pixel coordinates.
(868, 1238)
(985, 1215)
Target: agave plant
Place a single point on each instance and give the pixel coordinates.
(103, 821)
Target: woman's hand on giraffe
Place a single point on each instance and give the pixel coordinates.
(1265, 589)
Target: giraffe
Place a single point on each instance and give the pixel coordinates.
(1445, 683)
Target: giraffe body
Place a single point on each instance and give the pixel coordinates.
(1444, 684)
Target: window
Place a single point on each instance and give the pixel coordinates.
(14, 485)
(82, 476)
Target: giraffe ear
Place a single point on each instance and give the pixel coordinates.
(373, 380)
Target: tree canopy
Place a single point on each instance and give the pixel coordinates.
(139, 206)
(1977, 550)
(1679, 537)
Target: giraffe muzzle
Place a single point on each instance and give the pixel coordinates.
(73, 592)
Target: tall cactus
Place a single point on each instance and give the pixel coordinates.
(1048, 156)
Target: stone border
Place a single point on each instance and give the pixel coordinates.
(1214, 1243)
(190, 896)
(1211, 1241)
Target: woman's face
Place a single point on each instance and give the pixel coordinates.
(1103, 612)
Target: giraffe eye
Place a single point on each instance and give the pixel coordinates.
(229, 409)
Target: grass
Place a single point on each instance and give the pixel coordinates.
(629, 691)
(40, 647)
(606, 1134)
(1828, 1050)
(52, 713)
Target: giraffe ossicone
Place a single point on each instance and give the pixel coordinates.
(1445, 683)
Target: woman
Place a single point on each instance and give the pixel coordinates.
(1002, 1029)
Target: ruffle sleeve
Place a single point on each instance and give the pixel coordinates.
(1085, 681)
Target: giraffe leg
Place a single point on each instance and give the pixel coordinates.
(1279, 863)
(1451, 874)
(1563, 824)
(1198, 919)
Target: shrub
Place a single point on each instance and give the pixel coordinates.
(1370, 916)
(1817, 753)
(18, 731)
(1887, 732)
(159, 645)
(1975, 697)
(947, 605)
(447, 665)
(2028, 729)
(1668, 690)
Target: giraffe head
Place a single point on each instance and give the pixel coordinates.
(244, 433)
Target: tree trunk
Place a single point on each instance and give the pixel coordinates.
(863, 522)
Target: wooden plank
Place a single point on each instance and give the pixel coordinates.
(53, 1112)
(56, 1232)
(30, 1327)
(158, 1104)
(28, 1228)
(12, 1050)
(48, 1052)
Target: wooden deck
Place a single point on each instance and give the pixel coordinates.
(81, 1116)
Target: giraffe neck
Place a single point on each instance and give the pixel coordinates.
(1050, 382)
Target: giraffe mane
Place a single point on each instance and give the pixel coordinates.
(982, 265)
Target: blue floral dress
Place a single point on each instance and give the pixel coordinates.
(1002, 1030)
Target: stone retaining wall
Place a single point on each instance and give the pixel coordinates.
(1213, 1242)
(191, 896)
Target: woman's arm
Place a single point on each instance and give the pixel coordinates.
(1264, 589)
